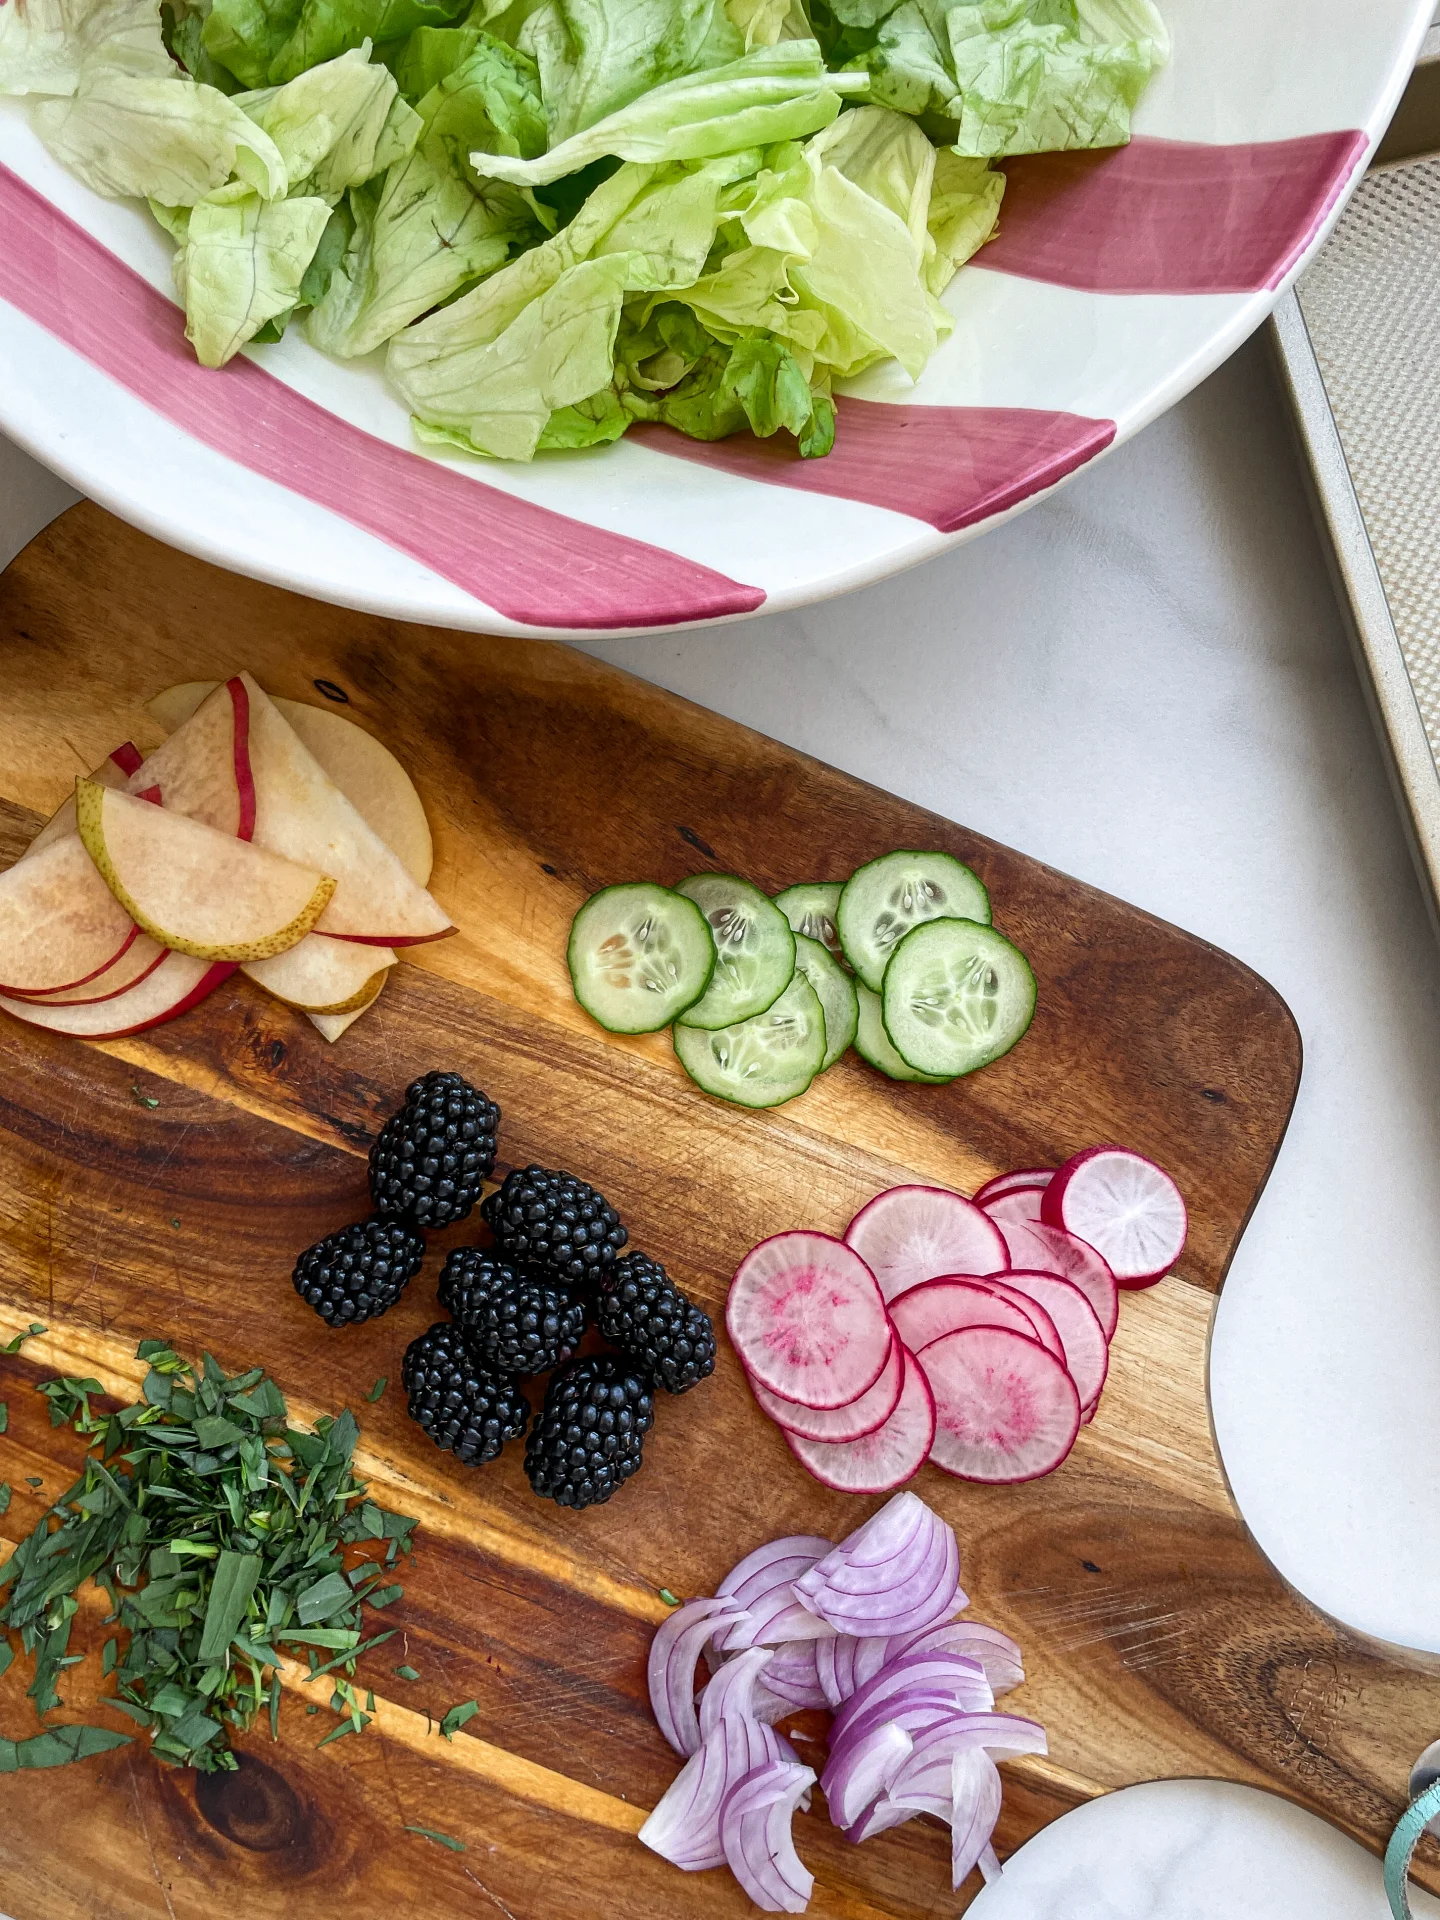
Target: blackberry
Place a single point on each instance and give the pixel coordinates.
(465, 1407)
(360, 1272)
(644, 1313)
(554, 1220)
(432, 1159)
(586, 1442)
(516, 1319)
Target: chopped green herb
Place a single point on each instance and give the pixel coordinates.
(457, 1716)
(4, 1416)
(440, 1839)
(384, 1596)
(220, 1533)
(31, 1331)
(7, 1654)
(4, 1496)
(668, 1597)
(379, 1387)
(174, 1221)
(142, 1099)
(406, 1673)
(33, 1480)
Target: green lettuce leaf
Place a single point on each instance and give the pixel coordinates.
(328, 28)
(242, 264)
(773, 94)
(672, 370)
(964, 207)
(45, 45)
(485, 373)
(1016, 76)
(597, 56)
(590, 423)
(762, 22)
(430, 232)
(336, 126)
(430, 55)
(184, 34)
(168, 140)
(246, 36)
(885, 153)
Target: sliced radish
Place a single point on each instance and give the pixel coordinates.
(807, 1319)
(1087, 1352)
(1045, 1329)
(1033, 1179)
(1020, 1203)
(1006, 1410)
(935, 1307)
(886, 1458)
(1124, 1206)
(1039, 1248)
(838, 1424)
(912, 1234)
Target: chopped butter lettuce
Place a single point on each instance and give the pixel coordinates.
(45, 45)
(170, 140)
(597, 56)
(338, 125)
(242, 264)
(964, 207)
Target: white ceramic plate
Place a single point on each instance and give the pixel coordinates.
(1118, 282)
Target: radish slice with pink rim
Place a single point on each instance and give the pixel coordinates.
(911, 1234)
(1020, 1203)
(1039, 1248)
(838, 1424)
(1046, 1331)
(1124, 1206)
(1023, 1179)
(1006, 1410)
(921, 1314)
(1086, 1350)
(882, 1460)
(806, 1317)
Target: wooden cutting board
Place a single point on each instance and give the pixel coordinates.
(164, 1185)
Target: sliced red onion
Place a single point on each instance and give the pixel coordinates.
(792, 1675)
(898, 1573)
(755, 1573)
(948, 1674)
(989, 1863)
(734, 1689)
(927, 1771)
(835, 1667)
(996, 1653)
(916, 1712)
(763, 1586)
(883, 1815)
(755, 1831)
(857, 1774)
(673, 1655)
(975, 1795)
(685, 1827)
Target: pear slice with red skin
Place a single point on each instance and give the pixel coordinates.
(303, 815)
(330, 1026)
(60, 925)
(365, 770)
(113, 771)
(193, 888)
(321, 975)
(140, 959)
(177, 984)
(203, 769)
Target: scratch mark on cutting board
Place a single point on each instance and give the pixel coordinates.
(145, 1830)
(493, 1898)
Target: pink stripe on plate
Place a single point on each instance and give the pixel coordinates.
(950, 466)
(1170, 216)
(531, 564)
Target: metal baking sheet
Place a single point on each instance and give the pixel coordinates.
(1359, 349)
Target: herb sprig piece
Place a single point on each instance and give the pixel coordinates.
(218, 1531)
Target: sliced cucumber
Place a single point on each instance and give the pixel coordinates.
(956, 996)
(836, 992)
(810, 908)
(754, 950)
(762, 1061)
(639, 955)
(881, 902)
(872, 1043)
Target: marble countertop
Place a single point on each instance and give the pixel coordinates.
(1145, 681)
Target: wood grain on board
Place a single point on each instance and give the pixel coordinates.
(1157, 1639)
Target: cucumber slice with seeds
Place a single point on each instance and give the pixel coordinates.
(872, 1043)
(956, 996)
(835, 991)
(881, 902)
(762, 1061)
(639, 955)
(811, 908)
(754, 950)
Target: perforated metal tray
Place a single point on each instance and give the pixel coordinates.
(1359, 350)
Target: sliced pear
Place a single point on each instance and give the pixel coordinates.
(303, 815)
(193, 888)
(177, 984)
(203, 769)
(141, 957)
(330, 1026)
(113, 771)
(322, 975)
(60, 925)
(365, 771)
